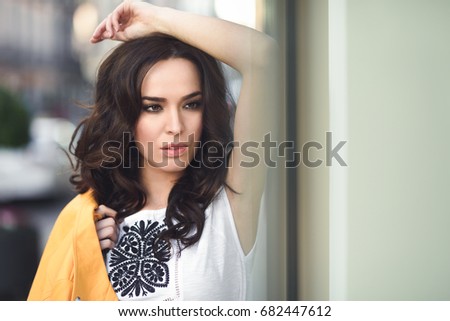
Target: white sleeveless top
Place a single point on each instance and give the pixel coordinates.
(215, 268)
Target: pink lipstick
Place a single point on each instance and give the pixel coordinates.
(174, 150)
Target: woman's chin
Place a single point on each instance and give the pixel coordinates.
(170, 165)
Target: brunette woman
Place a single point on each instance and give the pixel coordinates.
(168, 188)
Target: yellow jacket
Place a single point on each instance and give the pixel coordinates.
(72, 265)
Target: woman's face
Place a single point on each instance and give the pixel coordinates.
(169, 128)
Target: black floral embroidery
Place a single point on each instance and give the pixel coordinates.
(135, 269)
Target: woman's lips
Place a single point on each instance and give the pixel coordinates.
(174, 150)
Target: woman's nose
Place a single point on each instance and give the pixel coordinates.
(174, 122)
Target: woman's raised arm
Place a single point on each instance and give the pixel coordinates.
(233, 44)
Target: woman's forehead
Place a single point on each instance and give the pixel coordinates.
(175, 76)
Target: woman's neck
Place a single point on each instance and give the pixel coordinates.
(158, 185)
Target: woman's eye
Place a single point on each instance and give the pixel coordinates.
(152, 108)
(193, 105)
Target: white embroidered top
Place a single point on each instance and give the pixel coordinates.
(215, 268)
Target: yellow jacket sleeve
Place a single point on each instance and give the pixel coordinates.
(71, 265)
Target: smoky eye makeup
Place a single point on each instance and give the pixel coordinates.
(193, 105)
(191, 101)
(151, 107)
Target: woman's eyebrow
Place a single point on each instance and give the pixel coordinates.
(161, 99)
(192, 95)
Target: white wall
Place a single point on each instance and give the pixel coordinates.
(394, 243)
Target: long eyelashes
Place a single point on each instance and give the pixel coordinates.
(193, 105)
(154, 108)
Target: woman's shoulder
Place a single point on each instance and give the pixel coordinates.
(220, 197)
(220, 206)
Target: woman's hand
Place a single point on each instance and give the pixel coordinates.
(106, 226)
(130, 20)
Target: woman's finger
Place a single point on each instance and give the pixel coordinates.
(109, 232)
(106, 210)
(109, 221)
(107, 244)
(109, 27)
(97, 35)
(117, 17)
(103, 211)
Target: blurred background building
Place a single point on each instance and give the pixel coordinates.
(39, 69)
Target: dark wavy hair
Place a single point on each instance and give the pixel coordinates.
(107, 159)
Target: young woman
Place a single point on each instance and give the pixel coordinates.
(179, 188)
